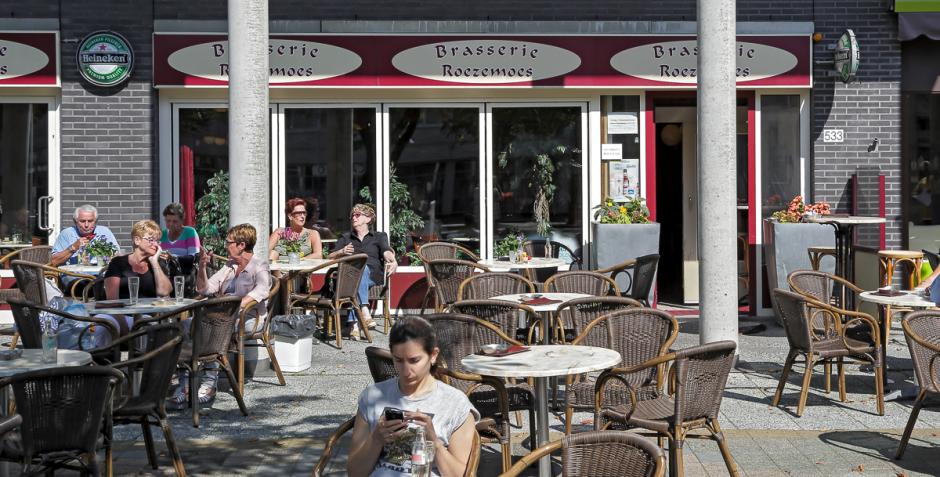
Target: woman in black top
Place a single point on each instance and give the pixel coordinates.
(142, 263)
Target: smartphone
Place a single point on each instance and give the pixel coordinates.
(392, 414)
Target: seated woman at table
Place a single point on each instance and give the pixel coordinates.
(382, 447)
(245, 275)
(310, 245)
(177, 239)
(142, 262)
(362, 239)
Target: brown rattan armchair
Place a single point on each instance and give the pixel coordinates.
(823, 287)
(30, 280)
(573, 316)
(588, 283)
(922, 332)
(381, 364)
(816, 331)
(597, 453)
(26, 316)
(256, 333)
(348, 274)
(503, 314)
(640, 276)
(461, 335)
(536, 248)
(697, 380)
(381, 292)
(9, 329)
(639, 335)
(156, 363)
(66, 428)
(40, 254)
(438, 251)
(482, 286)
(446, 275)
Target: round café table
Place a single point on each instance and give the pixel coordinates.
(89, 269)
(542, 362)
(904, 299)
(144, 306)
(532, 263)
(293, 269)
(845, 253)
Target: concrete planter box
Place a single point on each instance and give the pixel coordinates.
(616, 243)
(785, 250)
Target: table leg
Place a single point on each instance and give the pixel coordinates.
(287, 291)
(541, 428)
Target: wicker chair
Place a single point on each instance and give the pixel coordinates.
(640, 273)
(381, 364)
(588, 283)
(573, 316)
(64, 428)
(26, 316)
(596, 453)
(156, 364)
(922, 331)
(639, 335)
(438, 251)
(698, 377)
(210, 337)
(259, 335)
(823, 287)
(483, 286)
(381, 292)
(30, 280)
(9, 329)
(816, 331)
(446, 275)
(536, 248)
(40, 254)
(503, 314)
(346, 294)
(461, 335)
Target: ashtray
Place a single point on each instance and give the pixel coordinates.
(493, 348)
(10, 354)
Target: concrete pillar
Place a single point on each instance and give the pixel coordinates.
(716, 172)
(248, 118)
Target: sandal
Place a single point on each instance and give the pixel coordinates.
(179, 400)
(206, 395)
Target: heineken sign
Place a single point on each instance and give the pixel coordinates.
(105, 58)
(846, 56)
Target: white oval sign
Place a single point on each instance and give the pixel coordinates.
(290, 61)
(486, 61)
(676, 61)
(18, 59)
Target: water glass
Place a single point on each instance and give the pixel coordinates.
(133, 287)
(179, 284)
(296, 310)
(50, 347)
(293, 258)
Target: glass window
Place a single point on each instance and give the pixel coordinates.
(537, 149)
(434, 192)
(330, 162)
(24, 169)
(620, 116)
(921, 152)
(203, 136)
(780, 151)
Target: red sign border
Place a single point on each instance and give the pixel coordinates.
(40, 78)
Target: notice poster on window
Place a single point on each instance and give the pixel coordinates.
(611, 152)
(622, 123)
(631, 178)
(615, 180)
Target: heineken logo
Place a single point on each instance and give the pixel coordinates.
(847, 57)
(105, 58)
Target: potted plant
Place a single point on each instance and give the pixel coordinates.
(101, 249)
(292, 244)
(621, 231)
(212, 214)
(509, 246)
(787, 236)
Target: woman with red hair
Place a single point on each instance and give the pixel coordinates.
(295, 232)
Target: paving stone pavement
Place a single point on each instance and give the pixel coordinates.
(285, 432)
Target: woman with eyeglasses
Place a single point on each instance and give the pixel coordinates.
(142, 262)
(309, 240)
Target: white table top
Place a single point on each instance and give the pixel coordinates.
(144, 306)
(534, 262)
(561, 297)
(846, 220)
(31, 360)
(911, 300)
(303, 265)
(90, 269)
(544, 361)
(14, 245)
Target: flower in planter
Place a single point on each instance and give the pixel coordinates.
(291, 242)
(797, 210)
(100, 247)
(633, 211)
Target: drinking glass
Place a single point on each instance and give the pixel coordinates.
(133, 286)
(179, 283)
(50, 346)
(296, 310)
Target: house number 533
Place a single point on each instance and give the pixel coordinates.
(833, 135)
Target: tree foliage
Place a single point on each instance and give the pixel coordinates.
(212, 210)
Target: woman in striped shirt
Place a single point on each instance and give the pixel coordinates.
(181, 241)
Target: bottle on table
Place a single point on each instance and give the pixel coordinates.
(420, 464)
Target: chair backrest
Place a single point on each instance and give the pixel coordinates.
(162, 346)
(536, 248)
(504, 314)
(30, 280)
(589, 283)
(481, 286)
(792, 310)
(447, 274)
(701, 373)
(348, 275)
(638, 334)
(459, 335)
(212, 325)
(922, 332)
(644, 275)
(26, 317)
(588, 454)
(821, 286)
(41, 254)
(574, 315)
(63, 408)
(381, 364)
(440, 250)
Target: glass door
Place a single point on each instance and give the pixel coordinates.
(538, 172)
(28, 213)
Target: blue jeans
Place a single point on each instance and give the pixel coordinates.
(364, 286)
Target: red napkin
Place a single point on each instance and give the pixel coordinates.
(109, 304)
(540, 301)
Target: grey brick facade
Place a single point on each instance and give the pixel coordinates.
(109, 135)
